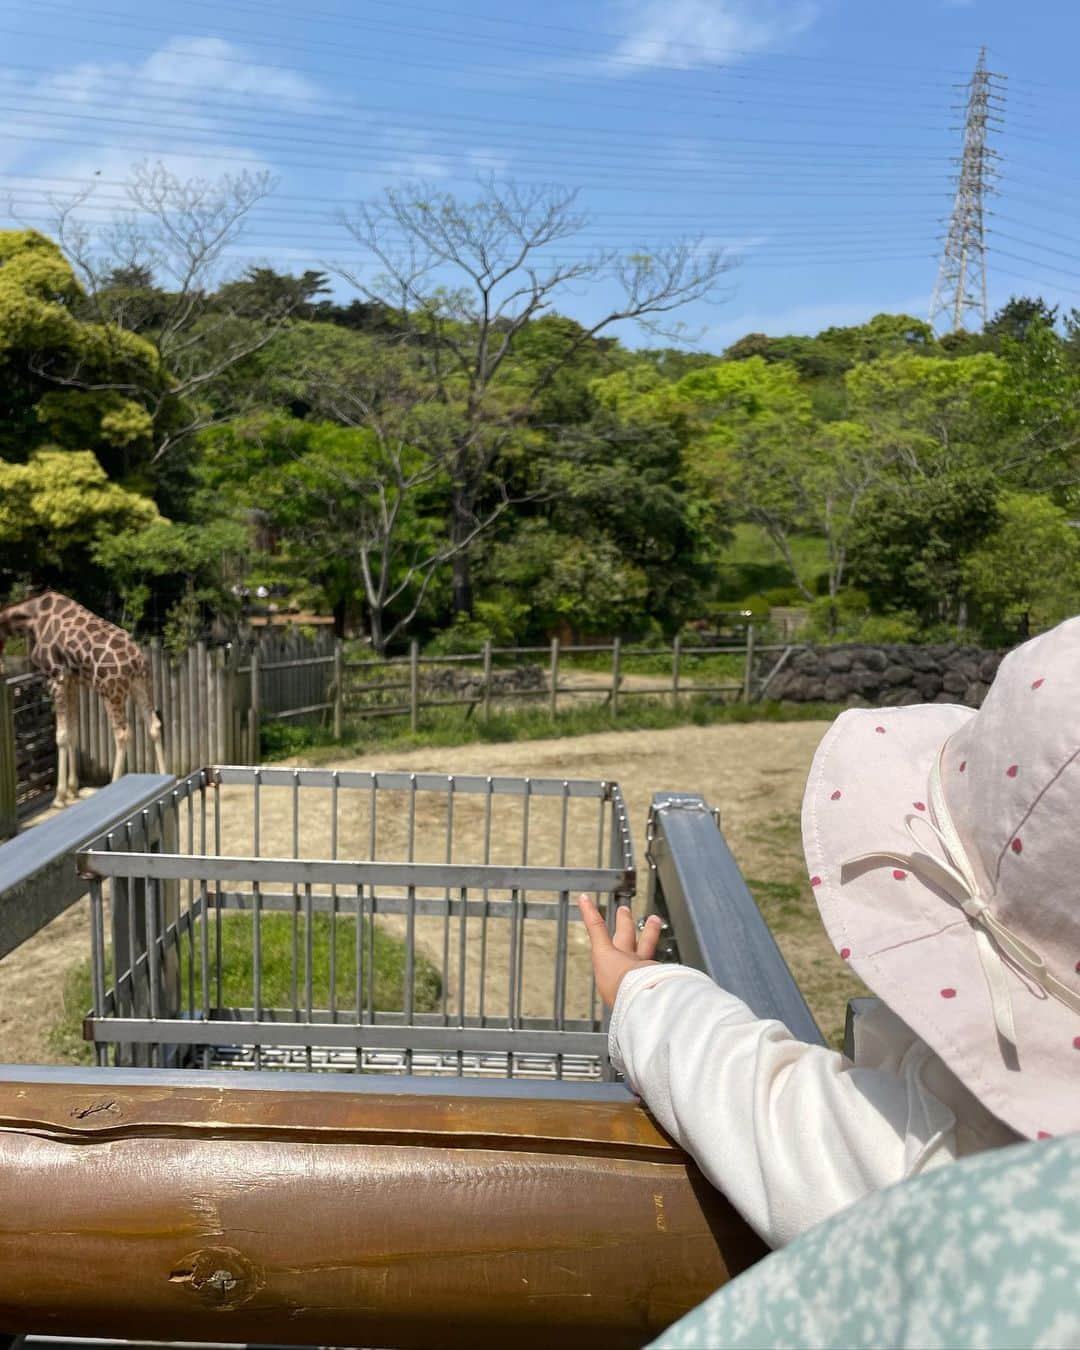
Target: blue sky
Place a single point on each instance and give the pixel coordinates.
(811, 138)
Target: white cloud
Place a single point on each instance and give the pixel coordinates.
(211, 64)
(167, 107)
(687, 34)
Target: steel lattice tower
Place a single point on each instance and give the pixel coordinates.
(961, 282)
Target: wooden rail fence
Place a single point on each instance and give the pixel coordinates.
(215, 700)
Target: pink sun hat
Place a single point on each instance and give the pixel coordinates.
(944, 852)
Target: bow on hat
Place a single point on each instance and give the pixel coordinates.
(996, 942)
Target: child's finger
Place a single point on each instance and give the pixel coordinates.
(594, 924)
(649, 937)
(625, 938)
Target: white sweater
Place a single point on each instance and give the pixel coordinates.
(791, 1133)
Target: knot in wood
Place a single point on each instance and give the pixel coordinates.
(219, 1277)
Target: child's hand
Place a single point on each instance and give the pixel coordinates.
(629, 950)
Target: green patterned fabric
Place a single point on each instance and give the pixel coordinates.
(981, 1253)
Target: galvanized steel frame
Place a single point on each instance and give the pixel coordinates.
(140, 1007)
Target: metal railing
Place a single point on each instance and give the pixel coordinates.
(711, 920)
(252, 911)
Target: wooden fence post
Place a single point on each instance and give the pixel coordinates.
(224, 711)
(339, 687)
(676, 658)
(554, 677)
(8, 819)
(616, 663)
(486, 710)
(414, 685)
(256, 730)
(748, 680)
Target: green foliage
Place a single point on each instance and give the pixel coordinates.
(910, 542)
(176, 574)
(891, 481)
(1025, 574)
(54, 511)
(63, 380)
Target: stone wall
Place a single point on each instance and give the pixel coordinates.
(893, 675)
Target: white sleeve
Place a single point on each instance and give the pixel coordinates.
(791, 1133)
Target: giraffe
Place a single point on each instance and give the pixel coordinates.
(70, 646)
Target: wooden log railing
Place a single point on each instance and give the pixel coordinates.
(416, 1215)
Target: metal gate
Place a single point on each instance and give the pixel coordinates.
(364, 921)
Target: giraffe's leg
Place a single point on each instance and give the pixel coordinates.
(73, 739)
(140, 692)
(118, 721)
(62, 706)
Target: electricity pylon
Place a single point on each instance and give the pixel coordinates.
(961, 282)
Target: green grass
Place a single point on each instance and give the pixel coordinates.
(450, 726)
(237, 954)
(720, 667)
(787, 905)
(752, 562)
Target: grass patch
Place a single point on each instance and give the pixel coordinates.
(444, 727)
(826, 982)
(719, 666)
(752, 562)
(277, 965)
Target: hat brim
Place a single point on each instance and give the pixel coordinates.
(907, 940)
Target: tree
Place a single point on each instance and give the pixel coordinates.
(1026, 572)
(41, 332)
(753, 440)
(168, 574)
(909, 545)
(1015, 318)
(53, 511)
(154, 271)
(357, 510)
(466, 279)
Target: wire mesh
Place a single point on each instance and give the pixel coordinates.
(357, 921)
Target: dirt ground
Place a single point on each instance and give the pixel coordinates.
(753, 772)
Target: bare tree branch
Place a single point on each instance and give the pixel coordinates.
(466, 278)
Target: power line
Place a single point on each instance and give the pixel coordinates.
(692, 150)
(597, 181)
(335, 202)
(698, 49)
(304, 106)
(442, 35)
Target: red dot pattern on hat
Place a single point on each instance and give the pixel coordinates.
(836, 796)
(1043, 1135)
(1012, 770)
(919, 806)
(963, 765)
(1017, 845)
(880, 731)
(815, 881)
(845, 952)
(1078, 967)
(1037, 684)
(948, 993)
(1076, 1042)
(898, 875)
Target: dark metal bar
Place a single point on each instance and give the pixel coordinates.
(717, 926)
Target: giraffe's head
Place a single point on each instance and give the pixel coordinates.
(13, 620)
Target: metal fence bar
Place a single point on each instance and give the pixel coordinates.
(8, 771)
(696, 884)
(300, 871)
